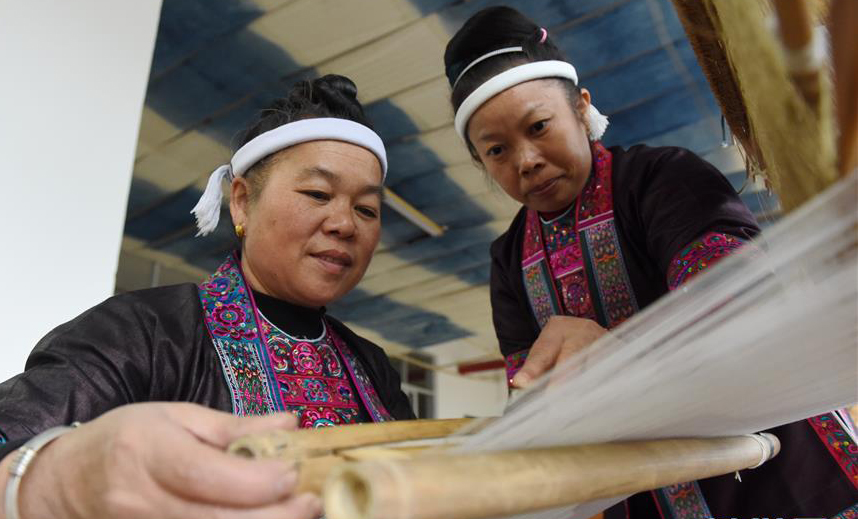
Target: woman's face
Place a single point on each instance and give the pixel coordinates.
(533, 144)
(311, 232)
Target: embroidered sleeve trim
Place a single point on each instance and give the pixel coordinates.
(839, 443)
(849, 513)
(682, 501)
(699, 255)
(514, 362)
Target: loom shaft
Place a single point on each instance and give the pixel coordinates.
(471, 486)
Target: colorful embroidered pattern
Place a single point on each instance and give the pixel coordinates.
(565, 260)
(514, 362)
(230, 319)
(312, 383)
(584, 274)
(561, 233)
(371, 401)
(839, 442)
(698, 255)
(682, 501)
(602, 247)
(532, 243)
(539, 292)
(597, 197)
(567, 266)
(268, 371)
(575, 291)
(849, 513)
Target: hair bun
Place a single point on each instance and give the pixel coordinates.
(328, 96)
(337, 86)
(298, 96)
(489, 29)
(329, 90)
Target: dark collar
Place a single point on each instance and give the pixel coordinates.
(298, 321)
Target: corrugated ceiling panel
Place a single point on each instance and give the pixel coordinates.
(427, 104)
(396, 62)
(154, 130)
(313, 31)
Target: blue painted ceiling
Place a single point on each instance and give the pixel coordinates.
(216, 62)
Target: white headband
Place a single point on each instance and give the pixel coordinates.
(207, 210)
(596, 122)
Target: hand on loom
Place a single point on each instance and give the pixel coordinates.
(562, 337)
(163, 460)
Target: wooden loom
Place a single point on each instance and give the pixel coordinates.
(466, 486)
(461, 486)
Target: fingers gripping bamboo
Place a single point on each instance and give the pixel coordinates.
(316, 451)
(471, 486)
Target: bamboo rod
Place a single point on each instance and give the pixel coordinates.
(473, 486)
(794, 23)
(313, 472)
(796, 30)
(843, 19)
(306, 443)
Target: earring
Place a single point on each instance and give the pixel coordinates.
(239, 231)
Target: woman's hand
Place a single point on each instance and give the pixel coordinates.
(562, 337)
(163, 460)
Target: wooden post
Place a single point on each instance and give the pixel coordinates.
(843, 21)
(796, 30)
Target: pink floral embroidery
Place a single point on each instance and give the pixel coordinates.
(839, 443)
(514, 362)
(585, 274)
(267, 371)
(699, 255)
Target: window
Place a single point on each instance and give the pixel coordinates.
(418, 383)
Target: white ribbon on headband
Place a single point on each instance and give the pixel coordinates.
(487, 55)
(207, 210)
(596, 122)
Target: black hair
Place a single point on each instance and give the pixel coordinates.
(328, 96)
(491, 29)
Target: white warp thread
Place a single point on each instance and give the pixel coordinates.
(759, 340)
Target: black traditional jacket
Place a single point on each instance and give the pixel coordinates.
(647, 220)
(181, 343)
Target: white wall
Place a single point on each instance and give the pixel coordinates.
(456, 396)
(73, 76)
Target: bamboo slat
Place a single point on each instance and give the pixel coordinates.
(313, 472)
(467, 486)
(306, 443)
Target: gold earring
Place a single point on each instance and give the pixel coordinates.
(239, 231)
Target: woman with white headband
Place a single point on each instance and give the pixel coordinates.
(253, 339)
(604, 232)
